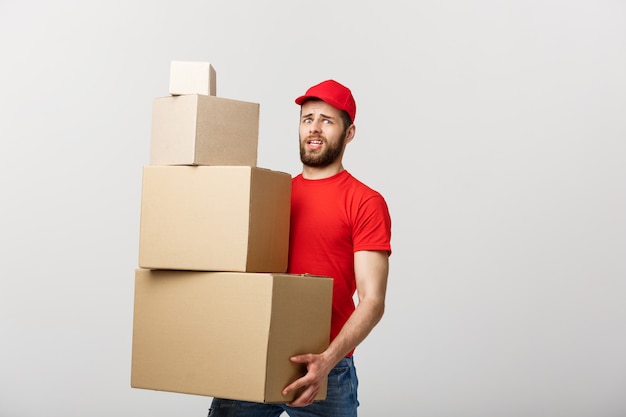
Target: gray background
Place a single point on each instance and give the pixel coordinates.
(495, 129)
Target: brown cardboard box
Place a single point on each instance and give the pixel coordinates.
(214, 218)
(192, 78)
(203, 130)
(226, 334)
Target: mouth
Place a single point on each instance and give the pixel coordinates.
(314, 142)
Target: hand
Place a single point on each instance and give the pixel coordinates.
(311, 383)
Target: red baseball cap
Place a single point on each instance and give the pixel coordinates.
(333, 93)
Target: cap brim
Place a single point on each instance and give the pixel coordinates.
(303, 98)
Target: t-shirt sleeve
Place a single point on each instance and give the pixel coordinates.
(372, 229)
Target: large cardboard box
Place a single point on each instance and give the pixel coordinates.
(197, 129)
(226, 334)
(214, 218)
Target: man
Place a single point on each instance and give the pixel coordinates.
(340, 228)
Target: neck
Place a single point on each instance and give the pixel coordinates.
(318, 173)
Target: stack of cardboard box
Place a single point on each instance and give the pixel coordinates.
(215, 312)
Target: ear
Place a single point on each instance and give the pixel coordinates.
(350, 133)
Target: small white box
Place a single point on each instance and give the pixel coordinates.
(192, 78)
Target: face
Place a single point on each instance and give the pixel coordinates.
(322, 134)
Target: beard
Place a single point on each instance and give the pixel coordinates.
(325, 157)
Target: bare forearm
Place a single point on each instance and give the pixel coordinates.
(371, 269)
(366, 316)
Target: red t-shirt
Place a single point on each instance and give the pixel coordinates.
(331, 219)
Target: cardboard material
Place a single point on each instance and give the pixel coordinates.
(203, 130)
(227, 335)
(214, 218)
(192, 78)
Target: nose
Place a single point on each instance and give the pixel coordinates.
(315, 126)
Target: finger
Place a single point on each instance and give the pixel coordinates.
(300, 358)
(300, 383)
(306, 397)
(297, 384)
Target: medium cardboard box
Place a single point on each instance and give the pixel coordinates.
(196, 129)
(226, 334)
(192, 78)
(214, 218)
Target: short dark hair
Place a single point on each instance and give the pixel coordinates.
(346, 120)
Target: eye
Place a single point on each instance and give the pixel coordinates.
(327, 121)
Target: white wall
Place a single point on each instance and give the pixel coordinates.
(495, 129)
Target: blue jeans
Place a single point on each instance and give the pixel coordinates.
(341, 399)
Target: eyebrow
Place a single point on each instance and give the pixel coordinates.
(324, 116)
